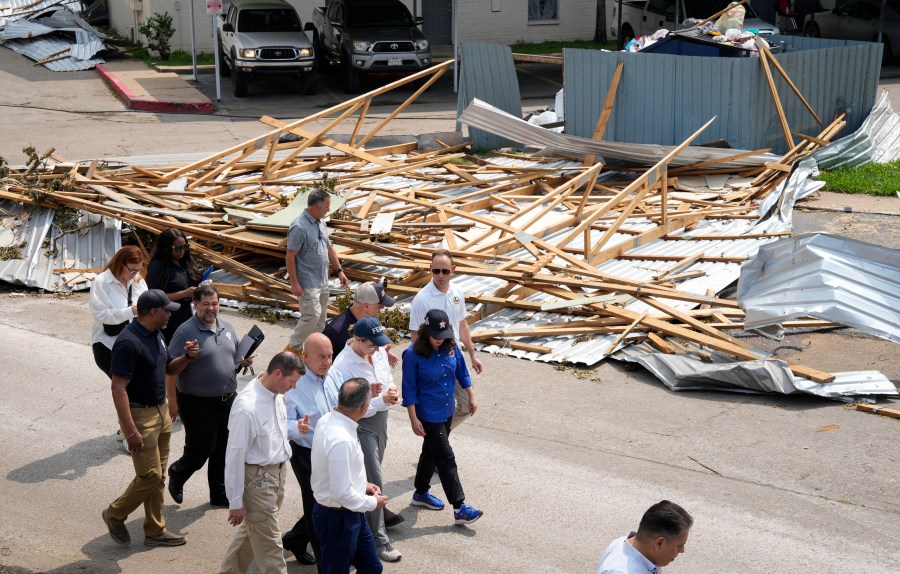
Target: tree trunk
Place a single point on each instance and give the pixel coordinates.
(600, 30)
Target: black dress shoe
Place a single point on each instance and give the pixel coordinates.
(306, 558)
(392, 519)
(219, 502)
(301, 554)
(176, 491)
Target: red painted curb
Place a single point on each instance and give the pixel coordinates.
(204, 106)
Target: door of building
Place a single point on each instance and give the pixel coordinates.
(438, 15)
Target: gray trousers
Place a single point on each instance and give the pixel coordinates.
(372, 433)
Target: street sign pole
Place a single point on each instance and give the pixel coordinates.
(214, 8)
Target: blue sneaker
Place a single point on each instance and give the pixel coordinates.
(427, 500)
(466, 514)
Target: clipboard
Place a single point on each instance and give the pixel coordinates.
(249, 344)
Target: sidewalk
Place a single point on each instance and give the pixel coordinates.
(142, 88)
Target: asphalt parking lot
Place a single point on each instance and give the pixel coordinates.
(562, 462)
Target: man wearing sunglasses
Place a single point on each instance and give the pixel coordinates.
(309, 251)
(441, 293)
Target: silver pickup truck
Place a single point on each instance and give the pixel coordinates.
(368, 37)
(264, 37)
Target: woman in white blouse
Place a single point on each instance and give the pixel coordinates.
(109, 301)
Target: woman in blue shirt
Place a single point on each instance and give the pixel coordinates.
(432, 367)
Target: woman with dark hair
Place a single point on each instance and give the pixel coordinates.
(113, 301)
(432, 367)
(173, 270)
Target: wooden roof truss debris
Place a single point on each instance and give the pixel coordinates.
(535, 231)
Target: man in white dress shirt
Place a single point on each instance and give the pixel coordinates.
(660, 538)
(441, 293)
(258, 448)
(365, 356)
(339, 484)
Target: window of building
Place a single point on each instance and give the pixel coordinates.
(543, 10)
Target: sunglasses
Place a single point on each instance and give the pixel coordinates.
(133, 271)
(441, 271)
(180, 248)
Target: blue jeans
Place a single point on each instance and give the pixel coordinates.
(344, 540)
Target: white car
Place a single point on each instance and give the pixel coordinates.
(859, 20)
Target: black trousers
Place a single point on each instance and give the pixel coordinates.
(205, 438)
(303, 531)
(103, 357)
(437, 453)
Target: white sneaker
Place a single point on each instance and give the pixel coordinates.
(389, 554)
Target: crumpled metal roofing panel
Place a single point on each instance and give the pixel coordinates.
(24, 29)
(876, 141)
(824, 276)
(41, 48)
(13, 10)
(484, 116)
(89, 247)
(686, 372)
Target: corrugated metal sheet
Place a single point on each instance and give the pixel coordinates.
(89, 247)
(12, 10)
(825, 276)
(484, 116)
(489, 74)
(45, 47)
(686, 372)
(663, 98)
(876, 141)
(23, 29)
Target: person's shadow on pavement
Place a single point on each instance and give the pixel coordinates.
(70, 464)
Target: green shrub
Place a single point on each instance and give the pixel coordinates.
(158, 30)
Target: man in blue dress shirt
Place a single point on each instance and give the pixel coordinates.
(305, 406)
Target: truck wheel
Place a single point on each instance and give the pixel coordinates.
(321, 58)
(308, 83)
(349, 77)
(811, 30)
(224, 70)
(627, 35)
(239, 84)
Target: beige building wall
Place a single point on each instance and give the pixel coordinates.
(506, 22)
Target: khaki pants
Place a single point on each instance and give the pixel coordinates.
(313, 312)
(155, 427)
(259, 535)
(461, 413)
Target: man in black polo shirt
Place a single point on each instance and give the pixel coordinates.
(205, 391)
(140, 362)
(369, 300)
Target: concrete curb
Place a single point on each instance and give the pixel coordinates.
(201, 106)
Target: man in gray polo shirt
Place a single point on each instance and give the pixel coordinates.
(309, 251)
(206, 388)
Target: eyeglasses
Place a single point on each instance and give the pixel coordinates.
(133, 271)
(180, 248)
(441, 271)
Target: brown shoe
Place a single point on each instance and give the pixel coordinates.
(165, 539)
(391, 518)
(117, 532)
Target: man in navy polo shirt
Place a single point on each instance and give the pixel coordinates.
(140, 362)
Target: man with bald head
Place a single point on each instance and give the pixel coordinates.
(305, 406)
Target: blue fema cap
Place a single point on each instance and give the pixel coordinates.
(371, 328)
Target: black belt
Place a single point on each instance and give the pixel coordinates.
(143, 406)
(341, 509)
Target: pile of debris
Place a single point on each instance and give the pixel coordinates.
(54, 36)
(561, 258)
